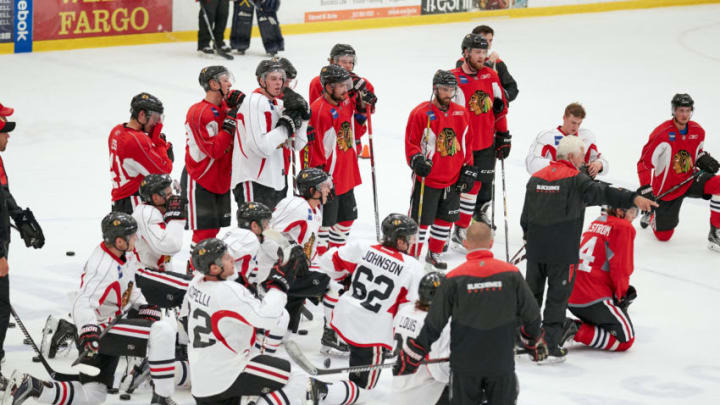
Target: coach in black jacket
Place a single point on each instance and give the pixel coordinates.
(552, 222)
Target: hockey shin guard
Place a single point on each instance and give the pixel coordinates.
(467, 206)
(161, 356)
(417, 248)
(339, 234)
(439, 233)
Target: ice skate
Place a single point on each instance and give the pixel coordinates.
(570, 328)
(59, 336)
(714, 239)
(158, 400)
(458, 236)
(482, 216)
(20, 388)
(433, 262)
(317, 391)
(330, 341)
(645, 219)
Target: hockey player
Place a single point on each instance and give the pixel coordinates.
(383, 277)
(332, 150)
(210, 127)
(268, 25)
(488, 137)
(429, 383)
(106, 291)
(217, 13)
(485, 298)
(673, 154)
(543, 151)
(269, 130)
(222, 317)
(435, 149)
(137, 148)
(602, 289)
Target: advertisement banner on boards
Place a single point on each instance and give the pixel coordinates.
(66, 19)
(446, 6)
(337, 10)
(7, 10)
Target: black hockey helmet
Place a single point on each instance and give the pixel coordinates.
(682, 100)
(428, 287)
(444, 78)
(288, 67)
(333, 74)
(339, 50)
(117, 225)
(269, 65)
(207, 252)
(396, 227)
(474, 41)
(153, 184)
(212, 73)
(145, 102)
(250, 212)
(308, 180)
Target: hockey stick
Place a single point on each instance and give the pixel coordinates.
(292, 158)
(517, 258)
(682, 183)
(299, 358)
(422, 182)
(218, 51)
(507, 247)
(372, 167)
(55, 375)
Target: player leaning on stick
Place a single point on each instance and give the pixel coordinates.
(107, 290)
(673, 154)
(383, 277)
(435, 149)
(485, 297)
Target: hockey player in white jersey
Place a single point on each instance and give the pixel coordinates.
(543, 150)
(270, 130)
(106, 291)
(222, 318)
(244, 241)
(427, 385)
(383, 277)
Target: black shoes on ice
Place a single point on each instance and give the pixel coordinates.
(330, 340)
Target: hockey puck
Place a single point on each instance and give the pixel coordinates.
(125, 397)
(326, 363)
(302, 332)
(69, 253)
(36, 359)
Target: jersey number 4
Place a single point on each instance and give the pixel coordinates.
(363, 280)
(587, 257)
(116, 168)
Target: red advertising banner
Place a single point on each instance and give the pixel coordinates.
(64, 19)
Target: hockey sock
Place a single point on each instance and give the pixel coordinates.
(323, 235)
(295, 388)
(342, 393)
(467, 206)
(417, 247)
(202, 234)
(599, 338)
(439, 232)
(73, 393)
(339, 234)
(161, 356)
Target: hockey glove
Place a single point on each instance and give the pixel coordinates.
(295, 102)
(536, 347)
(498, 105)
(647, 192)
(175, 208)
(467, 179)
(707, 163)
(310, 133)
(149, 312)
(628, 299)
(29, 228)
(291, 120)
(421, 165)
(235, 98)
(230, 123)
(89, 339)
(409, 358)
(291, 259)
(502, 144)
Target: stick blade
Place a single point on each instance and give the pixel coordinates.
(299, 358)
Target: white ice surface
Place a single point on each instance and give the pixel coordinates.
(623, 66)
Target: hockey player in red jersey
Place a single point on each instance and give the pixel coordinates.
(210, 126)
(332, 150)
(602, 291)
(383, 277)
(137, 148)
(673, 154)
(488, 137)
(436, 150)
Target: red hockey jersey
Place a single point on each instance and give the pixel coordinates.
(477, 93)
(208, 150)
(669, 156)
(445, 144)
(133, 156)
(606, 261)
(316, 88)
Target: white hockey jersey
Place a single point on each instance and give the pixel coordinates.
(157, 241)
(260, 146)
(382, 280)
(295, 216)
(543, 150)
(222, 318)
(427, 384)
(107, 287)
(243, 246)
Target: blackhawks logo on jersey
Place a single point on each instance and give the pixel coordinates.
(682, 162)
(447, 143)
(308, 246)
(480, 102)
(344, 138)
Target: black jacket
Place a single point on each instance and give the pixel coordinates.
(485, 297)
(8, 208)
(554, 211)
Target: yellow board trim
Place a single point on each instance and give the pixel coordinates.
(348, 25)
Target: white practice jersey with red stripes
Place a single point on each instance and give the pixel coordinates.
(383, 279)
(157, 241)
(222, 318)
(544, 150)
(295, 216)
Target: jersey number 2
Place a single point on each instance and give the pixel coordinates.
(201, 333)
(360, 290)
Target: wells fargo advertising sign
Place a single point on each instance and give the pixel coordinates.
(65, 19)
(334, 10)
